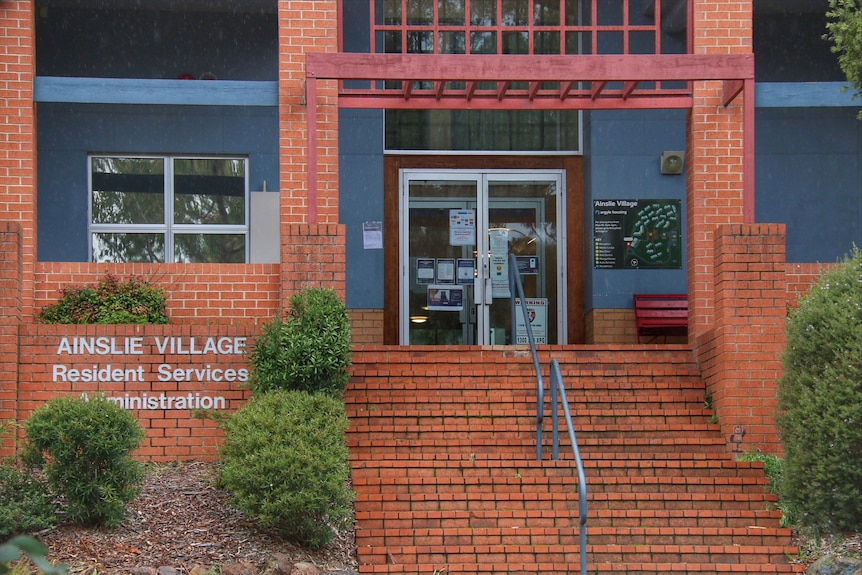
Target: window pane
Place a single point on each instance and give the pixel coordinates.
(209, 191)
(515, 13)
(546, 12)
(476, 130)
(392, 12)
(420, 42)
(142, 248)
(546, 43)
(516, 43)
(483, 12)
(209, 248)
(420, 12)
(128, 190)
(483, 42)
(452, 43)
(450, 12)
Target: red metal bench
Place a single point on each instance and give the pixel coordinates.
(661, 314)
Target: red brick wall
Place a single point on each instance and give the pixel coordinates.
(315, 257)
(196, 293)
(306, 26)
(714, 150)
(173, 433)
(10, 319)
(740, 357)
(800, 278)
(611, 326)
(18, 146)
(366, 326)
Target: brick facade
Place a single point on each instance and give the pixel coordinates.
(739, 284)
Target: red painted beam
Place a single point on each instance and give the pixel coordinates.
(526, 68)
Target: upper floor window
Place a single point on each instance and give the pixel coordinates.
(529, 26)
(168, 209)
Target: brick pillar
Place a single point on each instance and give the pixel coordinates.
(10, 320)
(714, 151)
(306, 27)
(18, 135)
(316, 258)
(742, 359)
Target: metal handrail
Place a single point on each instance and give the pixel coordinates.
(558, 395)
(515, 283)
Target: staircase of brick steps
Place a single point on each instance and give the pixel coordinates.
(443, 456)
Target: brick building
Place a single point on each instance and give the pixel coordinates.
(234, 151)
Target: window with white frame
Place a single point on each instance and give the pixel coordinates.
(168, 209)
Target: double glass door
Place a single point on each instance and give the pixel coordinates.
(458, 229)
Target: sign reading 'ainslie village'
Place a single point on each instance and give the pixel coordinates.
(128, 371)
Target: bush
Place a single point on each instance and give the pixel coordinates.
(308, 351)
(284, 461)
(820, 400)
(26, 504)
(85, 449)
(37, 553)
(773, 468)
(112, 301)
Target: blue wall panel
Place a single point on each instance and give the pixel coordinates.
(809, 177)
(67, 133)
(360, 134)
(623, 158)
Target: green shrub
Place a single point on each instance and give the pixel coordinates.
(284, 461)
(26, 504)
(85, 449)
(820, 400)
(37, 553)
(308, 351)
(134, 301)
(773, 468)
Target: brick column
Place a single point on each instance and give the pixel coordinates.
(742, 357)
(18, 134)
(316, 258)
(714, 151)
(306, 27)
(10, 321)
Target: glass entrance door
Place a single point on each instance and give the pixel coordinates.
(458, 230)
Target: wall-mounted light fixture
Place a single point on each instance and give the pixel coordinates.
(672, 163)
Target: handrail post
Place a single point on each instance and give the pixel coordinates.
(517, 286)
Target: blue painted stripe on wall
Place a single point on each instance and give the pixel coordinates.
(149, 91)
(804, 95)
(259, 93)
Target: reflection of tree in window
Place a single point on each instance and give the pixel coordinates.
(209, 192)
(206, 196)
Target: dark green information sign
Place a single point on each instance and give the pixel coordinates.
(636, 234)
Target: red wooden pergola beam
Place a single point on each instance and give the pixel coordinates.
(502, 87)
(736, 71)
(527, 68)
(596, 89)
(457, 101)
(730, 90)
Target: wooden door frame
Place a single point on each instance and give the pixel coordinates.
(574, 206)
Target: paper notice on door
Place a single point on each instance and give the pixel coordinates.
(462, 227)
(499, 260)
